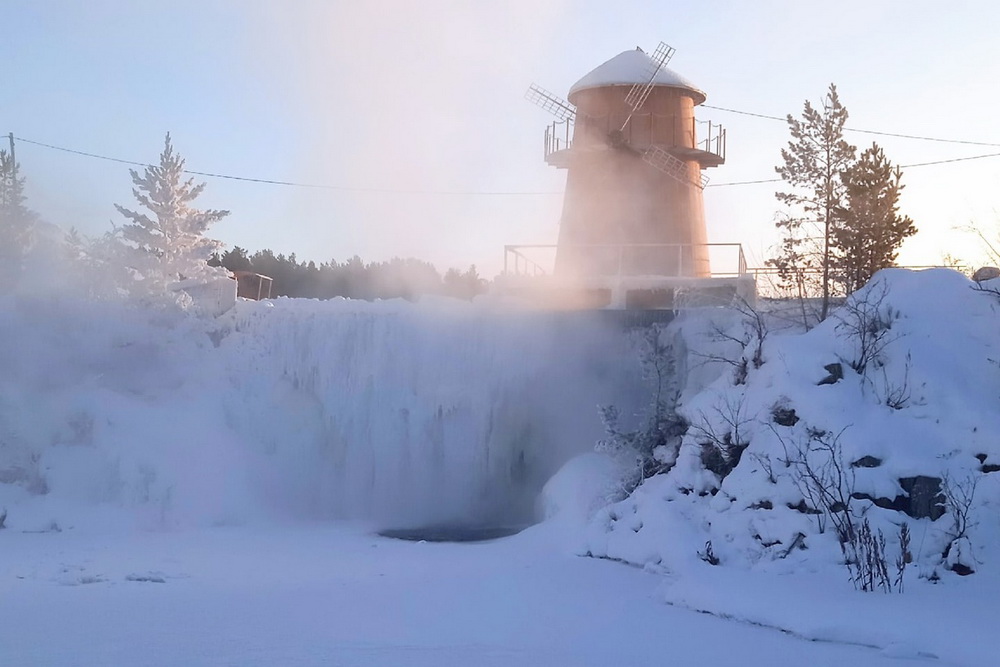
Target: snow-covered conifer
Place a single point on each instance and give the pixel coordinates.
(869, 227)
(17, 222)
(168, 243)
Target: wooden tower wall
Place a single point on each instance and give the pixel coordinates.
(613, 197)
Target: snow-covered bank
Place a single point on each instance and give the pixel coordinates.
(399, 412)
(893, 405)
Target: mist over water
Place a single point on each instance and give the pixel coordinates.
(411, 96)
(409, 415)
(403, 414)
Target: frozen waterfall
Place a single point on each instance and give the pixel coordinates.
(407, 413)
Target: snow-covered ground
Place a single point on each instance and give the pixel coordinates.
(333, 594)
(190, 491)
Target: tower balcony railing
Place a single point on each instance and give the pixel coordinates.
(727, 259)
(642, 131)
(558, 137)
(715, 139)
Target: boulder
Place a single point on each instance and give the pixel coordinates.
(986, 273)
(926, 499)
(836, 374)
(867, 462)
(784, 416)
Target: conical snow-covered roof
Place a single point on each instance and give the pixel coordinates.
(631, 67)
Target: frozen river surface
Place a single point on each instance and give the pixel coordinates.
(337, 594)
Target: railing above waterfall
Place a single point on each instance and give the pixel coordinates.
(725, 260)
(806, 283)
(638, 277)
(654, 277)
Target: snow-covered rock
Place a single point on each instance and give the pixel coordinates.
(584, 485)
(904, 437)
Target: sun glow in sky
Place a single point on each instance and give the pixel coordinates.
(408, 106)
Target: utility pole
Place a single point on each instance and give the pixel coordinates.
(13, 162)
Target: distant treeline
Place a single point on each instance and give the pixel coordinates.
(354, 279)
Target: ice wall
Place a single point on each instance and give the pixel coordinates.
(412, 413)
(402, 413)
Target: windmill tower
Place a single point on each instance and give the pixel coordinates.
(629, 142)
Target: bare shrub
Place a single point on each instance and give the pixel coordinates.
(723, 434)
(958, 498)
(988, 289)
(824, 479)
(764, 461)
(866, 560)
(826, 482)
(654, 446)
(905, 557)
(866, 319)
(894, 394)
(751, 336)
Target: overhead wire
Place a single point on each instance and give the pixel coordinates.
(498, 193)
(902, 166)
(853, 129)
(957, 159)
(269, 181)
(862, 131)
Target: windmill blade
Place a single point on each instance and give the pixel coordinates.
(558, 107)
(671, 166)
(639, 92)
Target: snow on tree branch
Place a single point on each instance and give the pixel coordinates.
(167, 244)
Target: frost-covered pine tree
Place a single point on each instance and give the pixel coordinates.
(16, 221)
(168, 244)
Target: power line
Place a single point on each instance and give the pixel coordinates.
(720, 185)
(851, 129)
(85, 154)
(268, 181)
(912, 136)
(743, 113)
(957, 159)
(902, 166)
(341, 188)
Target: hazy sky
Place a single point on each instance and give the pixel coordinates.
(428, 96)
